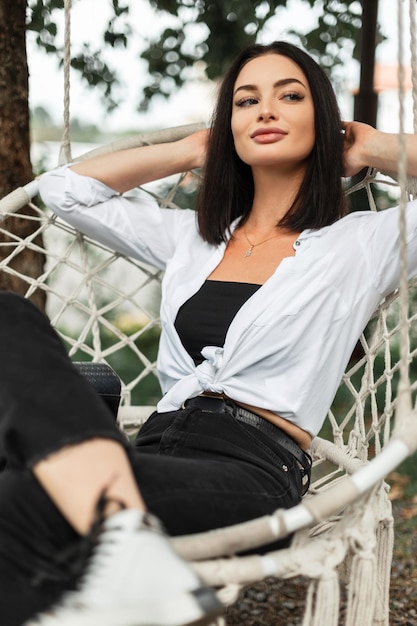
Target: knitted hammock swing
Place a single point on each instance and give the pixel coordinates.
(343, 529)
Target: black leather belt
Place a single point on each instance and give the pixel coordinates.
(219, 405)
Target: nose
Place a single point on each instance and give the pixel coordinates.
(267, 112)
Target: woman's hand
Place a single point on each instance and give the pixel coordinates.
(358, 141)
(196, 145)
(365, 146)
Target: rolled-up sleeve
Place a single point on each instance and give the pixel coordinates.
(380, 238)
(132, 224)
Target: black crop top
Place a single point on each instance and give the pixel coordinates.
(205, 318)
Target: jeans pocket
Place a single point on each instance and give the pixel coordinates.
(276, 456)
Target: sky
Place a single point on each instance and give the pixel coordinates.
(193, 103)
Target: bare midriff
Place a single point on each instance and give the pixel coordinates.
(302, 437)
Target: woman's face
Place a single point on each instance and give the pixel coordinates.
(273, 114)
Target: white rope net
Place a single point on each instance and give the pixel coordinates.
(105, 308)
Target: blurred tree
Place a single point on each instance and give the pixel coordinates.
(15, 166)
(226, 26)
(206, 32)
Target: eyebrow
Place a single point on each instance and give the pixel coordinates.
(278, 83)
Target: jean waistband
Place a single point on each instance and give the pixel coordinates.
(219, 405)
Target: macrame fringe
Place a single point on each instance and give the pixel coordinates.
(322, 606)
(385, 547)
(229, 594)
(362, 590)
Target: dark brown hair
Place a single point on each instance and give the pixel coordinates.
(227, 188)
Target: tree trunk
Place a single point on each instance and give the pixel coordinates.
(15, 166)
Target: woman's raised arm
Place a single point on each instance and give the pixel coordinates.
(366, 146)
(131, 168)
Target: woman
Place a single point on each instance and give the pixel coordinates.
(265, 293)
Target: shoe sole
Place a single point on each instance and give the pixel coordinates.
(198, 608)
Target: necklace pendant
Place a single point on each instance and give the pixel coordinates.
(248, 252)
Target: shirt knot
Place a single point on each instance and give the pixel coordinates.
(207, 370)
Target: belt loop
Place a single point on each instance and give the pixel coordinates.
(213, 404)
(231, 407)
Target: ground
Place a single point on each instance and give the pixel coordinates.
(281, 603)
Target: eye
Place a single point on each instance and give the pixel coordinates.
(246, 102)
(293, 96)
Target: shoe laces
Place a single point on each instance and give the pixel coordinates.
(69, 566)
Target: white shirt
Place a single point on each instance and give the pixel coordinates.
(288, 346)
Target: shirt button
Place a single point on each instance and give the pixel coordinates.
(297, 243)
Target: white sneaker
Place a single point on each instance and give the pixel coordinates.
(134, 578)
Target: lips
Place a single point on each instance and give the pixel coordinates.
(270, 133)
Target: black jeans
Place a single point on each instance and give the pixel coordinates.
(196, 470)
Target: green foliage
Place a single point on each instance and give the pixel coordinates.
(126, 362)
(96, 72)
(40, 20)
(89, 62)
(335, 38)
(229, 25)
(202, 33)
(43, 128)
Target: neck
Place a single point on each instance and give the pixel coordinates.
(275, 193)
